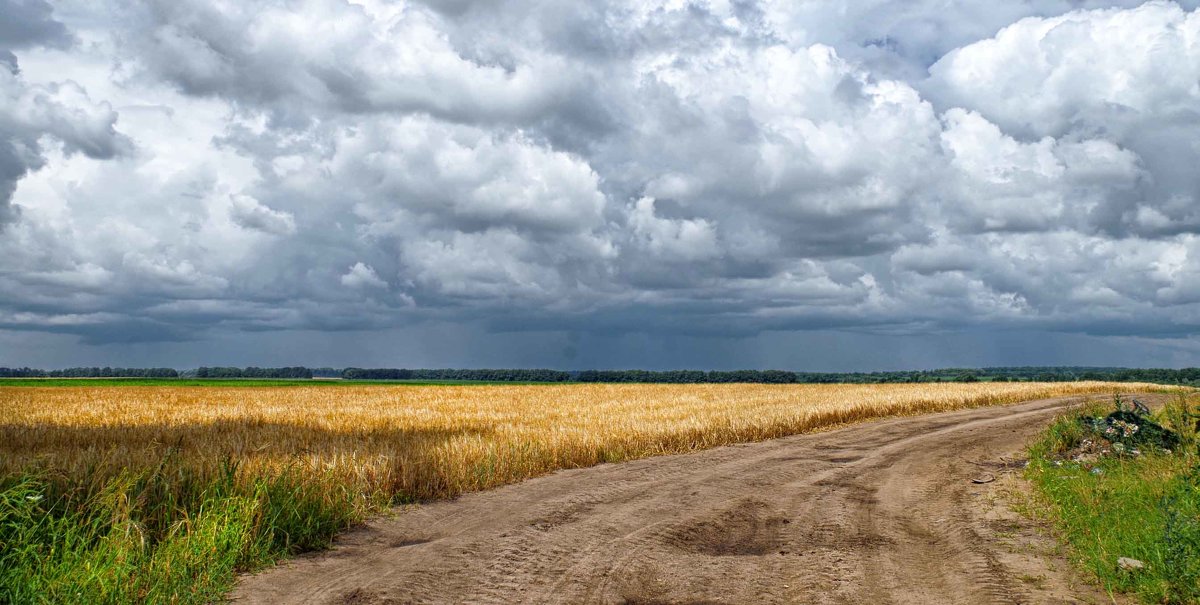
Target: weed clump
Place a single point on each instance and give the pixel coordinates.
(160, 536)
(1130, 429)
(1181, 536)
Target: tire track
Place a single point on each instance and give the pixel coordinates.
(880, 512)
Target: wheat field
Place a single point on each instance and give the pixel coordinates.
(162, 494)
(438, 441)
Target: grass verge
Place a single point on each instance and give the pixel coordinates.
(1109, 500)
(165, 535)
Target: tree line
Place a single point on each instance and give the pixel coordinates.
(105, 372)
(992, 374)
(688, 376)
(203, 372)
(450, 374)
(253, 372)
(543, 375)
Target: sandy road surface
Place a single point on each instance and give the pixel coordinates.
(883, 512)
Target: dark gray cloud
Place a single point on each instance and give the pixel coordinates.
(30, 23)
(694, 173)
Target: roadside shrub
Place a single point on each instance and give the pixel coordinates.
(1181, 508)
(1183, 417)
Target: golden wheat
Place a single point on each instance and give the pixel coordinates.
(433, 441)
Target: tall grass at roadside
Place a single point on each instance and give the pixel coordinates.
(1145, 507)
(160, 494)
(163, 535)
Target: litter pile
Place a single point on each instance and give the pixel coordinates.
(1128, 431)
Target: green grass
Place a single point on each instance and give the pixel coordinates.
(168, 535)
(232, 382)
(1145, 508)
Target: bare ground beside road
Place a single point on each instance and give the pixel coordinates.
(880, 512)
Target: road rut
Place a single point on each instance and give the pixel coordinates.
(880, 512)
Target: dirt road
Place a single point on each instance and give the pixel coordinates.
(883, 512)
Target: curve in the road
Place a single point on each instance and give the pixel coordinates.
(881, 512)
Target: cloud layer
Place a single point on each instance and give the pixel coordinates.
(173, 171)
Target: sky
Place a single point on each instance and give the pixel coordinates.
(792, 184)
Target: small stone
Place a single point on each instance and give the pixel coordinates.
(1127, 564)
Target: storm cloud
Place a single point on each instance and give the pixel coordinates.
(588, 182)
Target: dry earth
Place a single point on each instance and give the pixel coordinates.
(881, 512)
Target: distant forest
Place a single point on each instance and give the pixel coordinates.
(106, 372)
(1000, 374)
(90, 373)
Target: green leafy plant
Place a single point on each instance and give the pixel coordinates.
(1182, 416)
(1181, 537)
